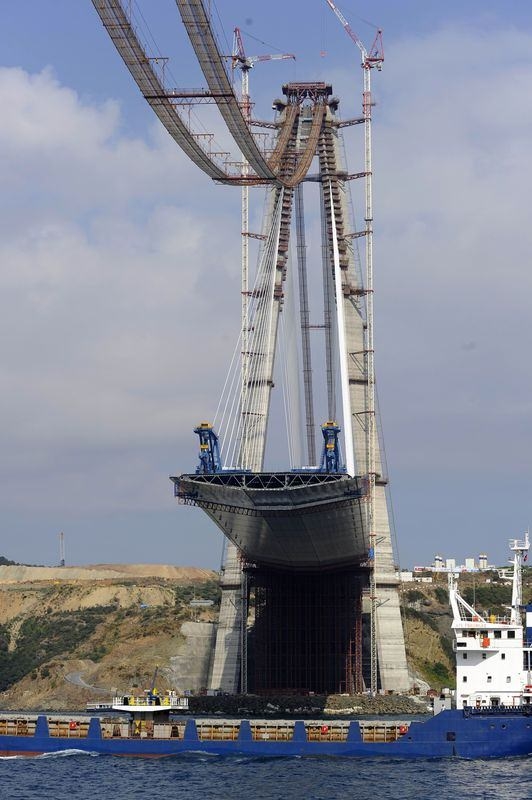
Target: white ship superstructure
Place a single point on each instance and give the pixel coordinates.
(493, 657)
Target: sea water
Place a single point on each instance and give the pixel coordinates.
(71, 775)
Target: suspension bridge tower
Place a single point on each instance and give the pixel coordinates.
(310, 591)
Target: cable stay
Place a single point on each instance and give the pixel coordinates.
(149, 77)
(305, 323)
(211, 62)
(242, 418)
(118, 25)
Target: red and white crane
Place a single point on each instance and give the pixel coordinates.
(370, 60)
(375, 57)
(245, 63)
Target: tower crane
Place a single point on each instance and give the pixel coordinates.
(375, 57)
(370, 60)
(245, 63)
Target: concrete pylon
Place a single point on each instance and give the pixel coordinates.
(225, 673)
(393, 672)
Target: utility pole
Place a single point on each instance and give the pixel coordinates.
(61, 549)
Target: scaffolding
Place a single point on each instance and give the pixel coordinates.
(305, 631)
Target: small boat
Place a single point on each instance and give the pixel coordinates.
(488, 716)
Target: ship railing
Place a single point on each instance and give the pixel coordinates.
(525, 709)
(170, 703)
(67, 728)
(275, 731)
(209, 731)
(225, 730)
(166, 701)
(17, 726)
(383, 731)
(320, 731)
(142, 729)
(490, 619)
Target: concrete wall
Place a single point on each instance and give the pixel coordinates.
(190, 667)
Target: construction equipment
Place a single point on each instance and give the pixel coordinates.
(209, 454)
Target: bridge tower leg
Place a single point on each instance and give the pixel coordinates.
(351, 294)
(225, 672)
(393, 669)
(391, 654)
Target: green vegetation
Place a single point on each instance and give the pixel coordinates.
(447, 647)
(489, 597)
(42, 638)
(422, 616)
(4, 638)
(97, 652)
(441, 595)
(438, 675)
(414, 596)
(210, 590)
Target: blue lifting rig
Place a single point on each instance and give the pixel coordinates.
(210, 461)
(331, 457)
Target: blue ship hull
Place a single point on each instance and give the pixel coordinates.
(449, 734)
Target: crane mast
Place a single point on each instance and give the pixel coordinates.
(371, 60)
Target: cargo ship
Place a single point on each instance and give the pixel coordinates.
(489, 715)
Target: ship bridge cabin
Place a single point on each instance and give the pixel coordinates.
(489, 663)
(493, 654)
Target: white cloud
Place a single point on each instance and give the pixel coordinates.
(113, 331)
(453, 170)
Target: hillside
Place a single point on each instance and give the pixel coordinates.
(73, 634)
(427, 625)
(65, 630)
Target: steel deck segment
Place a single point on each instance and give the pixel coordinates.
(118, 25)
(307, 521)
(202, 39)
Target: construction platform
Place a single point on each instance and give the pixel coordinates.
(287, 520)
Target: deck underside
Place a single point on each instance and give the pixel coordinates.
(286, 520)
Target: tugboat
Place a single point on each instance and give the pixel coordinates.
(489, 716)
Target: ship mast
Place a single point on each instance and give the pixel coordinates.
(520, 551)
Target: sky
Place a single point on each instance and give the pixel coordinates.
(120, 270)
